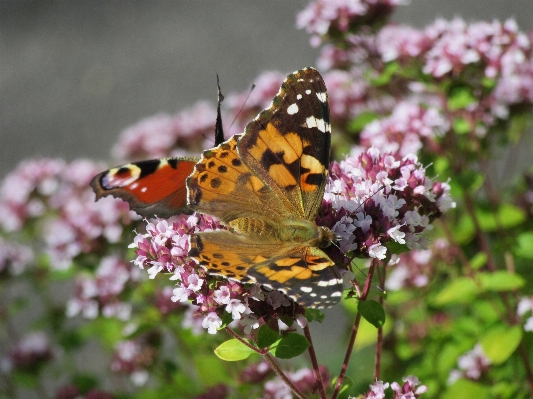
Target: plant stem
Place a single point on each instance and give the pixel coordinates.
(379, 344)
(355, 328)
(270, 360)
(314, 362)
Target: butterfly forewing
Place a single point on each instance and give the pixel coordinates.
(288, 144)
(222, 185)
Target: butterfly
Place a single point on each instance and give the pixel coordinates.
(266, 186)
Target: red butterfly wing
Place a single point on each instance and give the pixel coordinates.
(155, 187)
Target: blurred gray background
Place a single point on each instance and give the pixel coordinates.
(73, 74)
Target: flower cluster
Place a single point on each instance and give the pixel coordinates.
(375, 199)
(408, 390)
(331, 18)
(14, 258)
(414, 268)
(134, 357)
(350, 95)
(408, 129)
(70, 222)
(30, 353)
(490, 64)
(471, 365)
(100, 292)
(165, 247)
(164, 135)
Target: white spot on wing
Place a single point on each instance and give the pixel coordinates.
(144, 189)
(333, 281)
(308, 91)
(322, 97)
(299, 97)
(306, 289)
(318, 123)
(292, 109)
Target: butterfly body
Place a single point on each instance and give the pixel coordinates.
(267, 186)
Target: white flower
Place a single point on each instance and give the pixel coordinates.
(377, 251)
(212, 322)
(181, 294)
(195, 282)
(396, 234)
(236, 308)
(222, 295)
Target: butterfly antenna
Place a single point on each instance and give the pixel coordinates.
(243, 104)
(219, 130)
(353, 263)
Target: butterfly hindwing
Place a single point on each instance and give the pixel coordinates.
(152, 188)
(306, 274)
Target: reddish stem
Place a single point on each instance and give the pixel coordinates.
(355, 328)
(314, 362)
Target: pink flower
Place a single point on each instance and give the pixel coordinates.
(324, 18)
(164, 135)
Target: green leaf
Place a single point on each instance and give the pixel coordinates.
(85, 382)
(312, 314)
(461, 126)
(373, 312)
(470, 180)
(478, 260)
(347, 382)
(266, 336)
(500, 281)
(488, 83)
(233, 350)
(290, 345)
(524, 248)
(460, 97)
(361, 120)
(507, 216)
(227, 318)
(394, 247)
(500, 342)
(465, 389)
(390, 69)
(461, 290)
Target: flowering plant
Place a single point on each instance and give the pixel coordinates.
(434, 257)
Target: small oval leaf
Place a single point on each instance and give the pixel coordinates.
(373, 312)
(500, 343)
(266, 336)
(312, 314)
(289, 346)
(233, 350)
(461, 290)
(500, 281)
